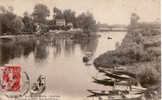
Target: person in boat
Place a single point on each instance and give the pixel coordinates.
(109, 37)
(87, 57)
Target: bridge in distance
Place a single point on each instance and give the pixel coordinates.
(125, 28)
(113, 29)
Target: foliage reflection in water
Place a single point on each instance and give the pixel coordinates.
(60, 60)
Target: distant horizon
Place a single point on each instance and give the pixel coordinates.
(104, 11)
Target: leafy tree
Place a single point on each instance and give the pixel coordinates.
(7, 18)
(28, 23)
(9, 21)
(134, 18)
(69, 16)
(40, 13)
(17, 24)
(57, 13)
(86, 22)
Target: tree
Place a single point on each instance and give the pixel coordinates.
(17, 24)
(69, 16)
(40, 13)
(134, 18)
(57, 13)
(2, 10)
(28, 23)
(86, 21)
(7, 18)
(10, 22)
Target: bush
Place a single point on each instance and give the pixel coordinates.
(148, 75)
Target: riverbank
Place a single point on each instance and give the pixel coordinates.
(72, 34)
(140, 53)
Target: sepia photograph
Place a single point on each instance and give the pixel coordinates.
(80, 49)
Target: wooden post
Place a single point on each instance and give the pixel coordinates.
(114, 85)
(129, 83)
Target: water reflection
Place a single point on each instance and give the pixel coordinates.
(10, 51)
(89, 45)
(69, 47)
(60, 60)
(40, 48)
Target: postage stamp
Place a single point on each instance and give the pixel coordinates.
(11, 78)
(14, 82)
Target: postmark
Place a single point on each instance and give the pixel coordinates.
(14, 81)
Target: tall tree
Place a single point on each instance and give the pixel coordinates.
(69, 16)
(40, 13)
(17, 24)
(28, 23)
(7, 18)
(9, 21)
(57, 13)
(87, 22)
(134, 18)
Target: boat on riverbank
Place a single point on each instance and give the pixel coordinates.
(124, 86)
(115, 95)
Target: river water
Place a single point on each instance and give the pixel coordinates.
(61, 61)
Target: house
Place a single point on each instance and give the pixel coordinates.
(60, 22)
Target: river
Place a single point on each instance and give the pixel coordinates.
(61, 61)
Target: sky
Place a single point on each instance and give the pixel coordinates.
(104, 11)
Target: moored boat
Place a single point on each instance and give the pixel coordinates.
(115, 95)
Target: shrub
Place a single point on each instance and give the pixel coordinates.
(148, 75)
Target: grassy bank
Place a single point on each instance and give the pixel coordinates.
(140, 53)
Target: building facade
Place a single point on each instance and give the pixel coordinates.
(60, 22)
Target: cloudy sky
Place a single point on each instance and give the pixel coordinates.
(105, 11)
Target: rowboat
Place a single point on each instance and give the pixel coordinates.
(115, 95)
(123, 85)
(87, 57)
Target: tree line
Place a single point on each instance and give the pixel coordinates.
(12, 23)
